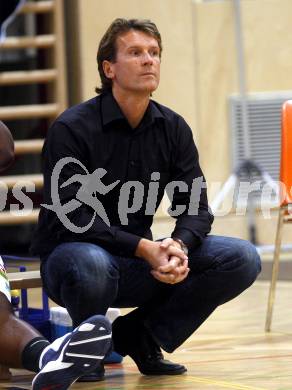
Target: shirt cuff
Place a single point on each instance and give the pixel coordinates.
(187, 237)
(127, 243)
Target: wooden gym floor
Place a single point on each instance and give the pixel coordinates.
(230, 351)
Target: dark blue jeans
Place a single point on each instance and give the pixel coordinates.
(87, 279)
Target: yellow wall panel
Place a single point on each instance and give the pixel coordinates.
(174, 21)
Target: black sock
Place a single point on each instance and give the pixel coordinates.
(32, 352)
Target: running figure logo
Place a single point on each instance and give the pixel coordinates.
(90, 185)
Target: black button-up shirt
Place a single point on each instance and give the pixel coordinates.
(98, 135)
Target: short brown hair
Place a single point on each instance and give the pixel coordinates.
(107, 47)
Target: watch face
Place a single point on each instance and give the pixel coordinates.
(183, 245)
(185, 249)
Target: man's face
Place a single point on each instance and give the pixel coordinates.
(137, 65)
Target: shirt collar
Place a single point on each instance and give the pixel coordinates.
(111, 111)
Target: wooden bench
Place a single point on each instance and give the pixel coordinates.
(27, 279)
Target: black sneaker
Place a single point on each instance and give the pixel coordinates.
(96, 376)
(75, 354)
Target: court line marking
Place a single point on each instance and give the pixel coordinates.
(194, 379)
(207, 381)
(212, 337)
(239, 359)
(228, 385)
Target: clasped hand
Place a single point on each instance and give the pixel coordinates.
(172, 263)
(168, 261)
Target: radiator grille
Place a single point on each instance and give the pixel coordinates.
(264, 132)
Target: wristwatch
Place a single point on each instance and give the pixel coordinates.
(182, 244)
